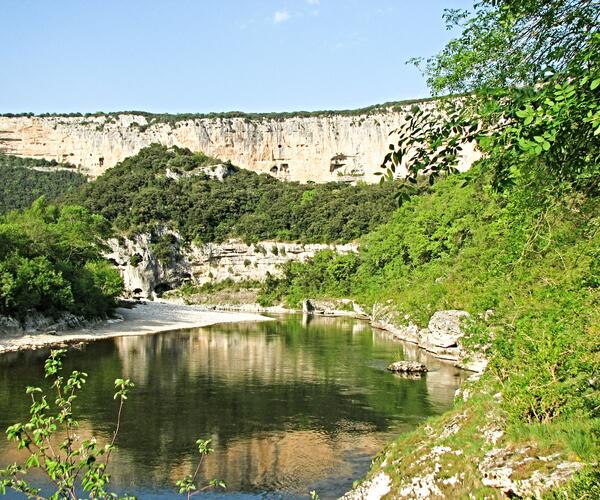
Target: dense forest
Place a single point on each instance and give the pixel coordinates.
(50, 255)
(21, 184)
(51, 262)
(175, 187)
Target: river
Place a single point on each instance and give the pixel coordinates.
(291, 405)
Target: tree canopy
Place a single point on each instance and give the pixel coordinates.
(530, 73)
(50, 262)
(23, 180)
(137, 195)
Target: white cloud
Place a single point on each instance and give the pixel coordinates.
(281, 16)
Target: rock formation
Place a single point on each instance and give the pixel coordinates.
(319, 147)
(145, 276)
(442, 337)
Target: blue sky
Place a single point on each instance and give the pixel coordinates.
(214, 55)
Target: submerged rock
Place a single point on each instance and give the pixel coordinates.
(407, 367)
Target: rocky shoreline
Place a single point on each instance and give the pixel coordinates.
(499, 464)
(442, 337)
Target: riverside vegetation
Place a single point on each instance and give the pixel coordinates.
(517, 237)
(51, 262)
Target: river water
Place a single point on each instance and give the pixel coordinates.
(291, 405)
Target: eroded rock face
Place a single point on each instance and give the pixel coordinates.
(444, 329)
(36, 322)
(372, 489)
(317, 148)
(146, 276)
(441, 337)
(500, 469)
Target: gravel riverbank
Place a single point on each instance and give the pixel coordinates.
(142, 319)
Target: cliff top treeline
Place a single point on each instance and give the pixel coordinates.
(174, 187)
(176, 117)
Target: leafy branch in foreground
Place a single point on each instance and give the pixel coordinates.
(188, 484)
(69, 463)
(543, 129)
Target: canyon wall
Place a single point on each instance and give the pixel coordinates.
(147, 276)
(318, 148)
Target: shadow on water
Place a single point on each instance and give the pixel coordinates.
(290, 405)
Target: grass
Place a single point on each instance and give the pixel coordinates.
(414, 454)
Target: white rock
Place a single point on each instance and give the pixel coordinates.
(444, 329)
(330, 147)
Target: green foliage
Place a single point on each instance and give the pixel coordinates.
(547, 127)
(135, 260)
(509, 43)
(163, 247)
(136, 195)
(530, 71)
(50, 438)
(20, 184)
(55, 448)
(584, 486)
(188, 484)
(327, 274)
(50, 261)
(18, 161)
(35, 283)
(463, 246)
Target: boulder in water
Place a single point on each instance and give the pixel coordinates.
(407, 367)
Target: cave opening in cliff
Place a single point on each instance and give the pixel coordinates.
(162, 288)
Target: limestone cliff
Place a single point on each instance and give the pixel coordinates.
(319, 147)
(146, 276)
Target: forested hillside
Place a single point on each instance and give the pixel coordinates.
(178, 188)
(20, 184)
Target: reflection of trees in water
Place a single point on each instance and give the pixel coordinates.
(271, 394)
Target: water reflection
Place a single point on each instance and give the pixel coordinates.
(290, 404)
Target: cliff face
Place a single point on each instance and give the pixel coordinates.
(144, 275)
(315, 148)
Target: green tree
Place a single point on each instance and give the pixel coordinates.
(51, 261)
(530, 71)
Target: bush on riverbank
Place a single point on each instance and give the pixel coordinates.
(51, 261)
